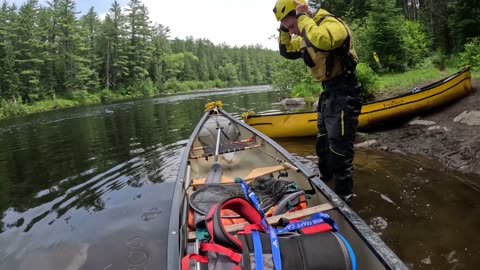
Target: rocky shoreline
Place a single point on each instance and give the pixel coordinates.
(450, 134)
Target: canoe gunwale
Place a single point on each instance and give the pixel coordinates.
(416, 100)
(179, 198)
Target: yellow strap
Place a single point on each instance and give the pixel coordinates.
(343, 125)
(213, 105)
(245, 115)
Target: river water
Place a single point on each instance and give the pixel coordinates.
(91, 187)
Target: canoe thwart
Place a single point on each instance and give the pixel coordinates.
(274, 220)
(252, 175)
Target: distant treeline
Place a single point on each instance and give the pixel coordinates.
(48, 52)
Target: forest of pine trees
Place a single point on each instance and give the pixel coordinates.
(50, 52)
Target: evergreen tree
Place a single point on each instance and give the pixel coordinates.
(463, 22)
(114, 69)
(190, 67)
(28, 58)
(346, 9)
(90, 28)
(139, 32)
(8, 74)
(71, 65)
(161, 45)
(244, 66)
(434, 14)
(384, 34)
(47, 35)
(211, 60)
(202, 69)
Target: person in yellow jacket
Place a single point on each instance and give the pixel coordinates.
(324, 42)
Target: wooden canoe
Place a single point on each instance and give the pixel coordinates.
(257, 155)
(301, 124)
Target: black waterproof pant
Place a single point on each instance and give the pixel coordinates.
(338, 109)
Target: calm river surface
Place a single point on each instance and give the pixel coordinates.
(91, 187)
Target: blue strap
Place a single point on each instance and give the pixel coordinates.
(317, 218)
(327, 219)
(257, 249)
(350, 251)
(277, 259)
(249, 194)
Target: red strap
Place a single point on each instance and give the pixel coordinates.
(235, 257)
(215, 227)
(195, 257)
(322, 227)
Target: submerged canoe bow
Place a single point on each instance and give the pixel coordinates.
(442, 92)
(219, 155)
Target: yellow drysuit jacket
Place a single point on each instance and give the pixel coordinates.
(320, 36)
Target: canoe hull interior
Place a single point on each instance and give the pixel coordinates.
(252, 154)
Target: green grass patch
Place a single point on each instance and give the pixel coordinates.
(9, 108)
(476, 74)
(402, 82)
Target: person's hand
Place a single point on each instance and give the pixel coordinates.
(301, 8)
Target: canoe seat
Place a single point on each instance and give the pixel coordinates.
(226, 147)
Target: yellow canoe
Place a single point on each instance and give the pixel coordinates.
(431, 96)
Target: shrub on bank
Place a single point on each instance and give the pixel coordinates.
(309, 90)
(369, 80)
(9, 108)
(471, 56)
(84, 97)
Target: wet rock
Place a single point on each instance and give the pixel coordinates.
(422, 123)
(366, 144)
(293, 102)
(383, 148)
(470, 118)
(378, 224)
(434, 127)
(361, 137)
(427, 260)
(315, 106)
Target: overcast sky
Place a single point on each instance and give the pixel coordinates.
(235, 22)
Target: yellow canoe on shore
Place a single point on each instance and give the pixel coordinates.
(378, 112)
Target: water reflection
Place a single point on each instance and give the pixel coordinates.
(91, 187)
